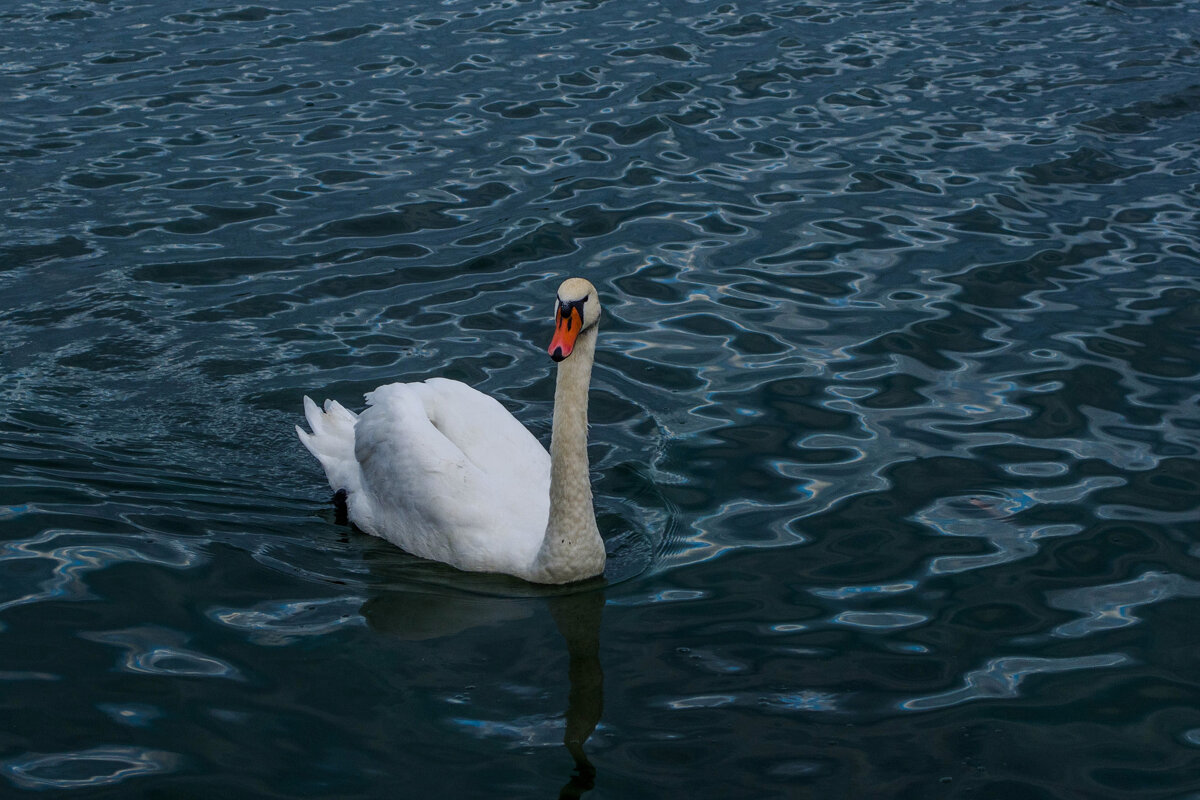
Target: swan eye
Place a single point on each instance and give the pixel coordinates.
(567, 310)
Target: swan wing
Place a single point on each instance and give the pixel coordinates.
(487, 434)
(447, 473)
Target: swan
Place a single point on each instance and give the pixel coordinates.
(445, 472)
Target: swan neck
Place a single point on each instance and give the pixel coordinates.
(572, 548)
(568, 438)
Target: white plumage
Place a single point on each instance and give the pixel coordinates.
(447, 473)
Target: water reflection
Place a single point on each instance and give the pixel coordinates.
(1110, 606)
(438, 612)
(903, 326)
(578, 619)
(96, 767)
(158, 651)
(1002, 677)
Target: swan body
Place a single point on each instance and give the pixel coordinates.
(447, 473)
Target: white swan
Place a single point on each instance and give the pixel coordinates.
(447, 473)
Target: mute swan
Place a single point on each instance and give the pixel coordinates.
(447, 473)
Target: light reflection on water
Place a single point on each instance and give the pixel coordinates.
(1002, 677)
(98, 766)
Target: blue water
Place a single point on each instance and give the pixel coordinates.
(895, 417)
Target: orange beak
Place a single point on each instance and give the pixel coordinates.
(566, 330)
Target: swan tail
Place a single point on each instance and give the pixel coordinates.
(332, 443)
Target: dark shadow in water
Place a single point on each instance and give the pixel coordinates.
(578, 619)
(434, 612)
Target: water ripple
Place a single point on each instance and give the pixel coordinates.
(1111, 606)
(1001, 678)
(157, 651)
(65, 564)
(896, 380)
(278, 624)
(98, 766)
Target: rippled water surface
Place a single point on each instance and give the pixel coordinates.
(894, 421)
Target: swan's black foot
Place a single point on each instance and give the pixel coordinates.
(339, 507)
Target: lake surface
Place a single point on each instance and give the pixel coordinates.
(895, 420)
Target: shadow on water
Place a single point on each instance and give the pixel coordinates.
(438, 612)
(578, 619)
(410, 599)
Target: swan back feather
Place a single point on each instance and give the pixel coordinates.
(442, 471)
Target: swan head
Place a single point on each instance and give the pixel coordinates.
(576, 308)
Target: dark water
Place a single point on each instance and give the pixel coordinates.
(895, 418)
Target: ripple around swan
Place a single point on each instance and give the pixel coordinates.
(280, 624)
(894, 418)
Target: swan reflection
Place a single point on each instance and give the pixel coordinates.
(428, 612)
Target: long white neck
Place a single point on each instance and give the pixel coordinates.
(572, 548)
